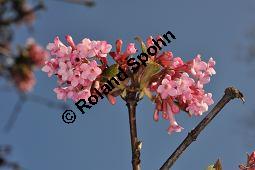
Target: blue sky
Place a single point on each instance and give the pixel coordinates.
(100, 138)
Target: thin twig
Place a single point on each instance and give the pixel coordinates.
(89, 3)
(24, 14)
(33, 98)
(230, 93)
(15, 112)
(46, 102)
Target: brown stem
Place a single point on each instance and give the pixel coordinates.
(131, 101)
(230, 93)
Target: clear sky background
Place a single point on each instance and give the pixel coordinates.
(100, 139)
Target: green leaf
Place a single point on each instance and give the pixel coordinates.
(141, 94)
(147, 93)
(151, 69)
(210, 167)
(218, 165)
(111, 71)
(124, 93)
(143, 46)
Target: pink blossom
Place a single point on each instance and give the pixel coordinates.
(61, 93)
(210, 70)
(177, 62)
(76, 79)
(103, 48)
(75, 66)
(58, 48)
(167, 88)
(50, 67)
(198, 65)
(182, 87)
(184, 84)
(174, 127)
(131, 49)
(65, 70)
(165, 59)
(36, 53)
(85, 48)
(119, 56)
(90, 48)
(90, 71)
(199, 104)
(25, 83)
(83, 94)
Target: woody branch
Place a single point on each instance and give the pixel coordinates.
(230, 93)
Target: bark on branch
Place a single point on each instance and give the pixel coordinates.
(131, 101)
(230, 93)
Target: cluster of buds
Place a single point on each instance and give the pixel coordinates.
(172, 84)
(31, 57)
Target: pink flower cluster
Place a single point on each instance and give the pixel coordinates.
(76, 66)
(37, 54)
(25, 82)
(31, 57)
(181, 88)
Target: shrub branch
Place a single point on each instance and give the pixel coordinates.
(230, 93)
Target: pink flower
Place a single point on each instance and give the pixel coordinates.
(50, 67)
(184, 84)
(103, 49)
(58, 48)
(90, 49)
(119, 56)
(131, 49)
(83, 94)
(26, 83)
(199, 104)
(61, 93)
(65, 70)
(76, 79)
(85, 48)
(165, 59)
(75, 58)
(167, 88)
(90, 71)
(210, 70)
(174, 127)
(177, 62)
(198, 65)
(36, 53)
(182, 87)
(75, 66)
